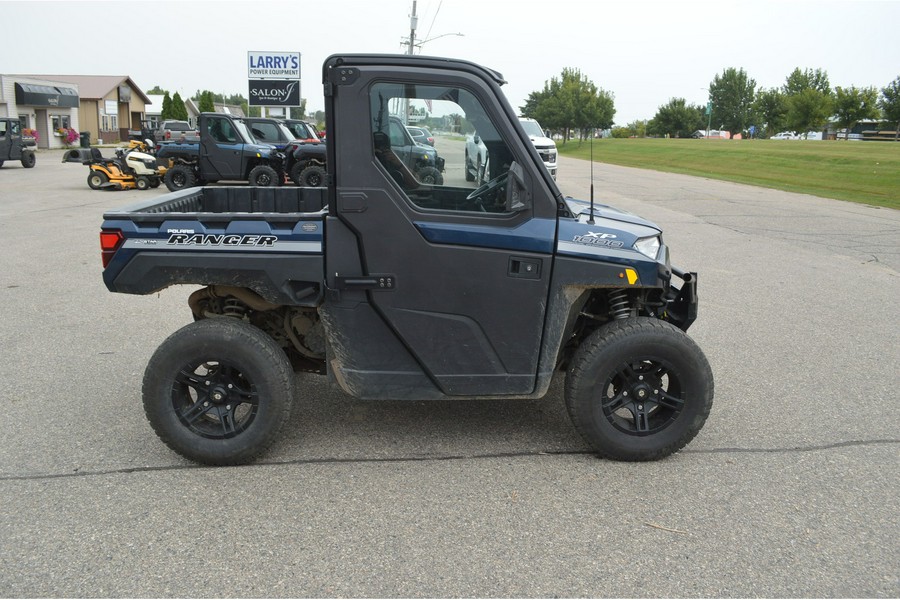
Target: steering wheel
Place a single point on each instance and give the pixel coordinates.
(490, 186)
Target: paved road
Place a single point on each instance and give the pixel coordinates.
(790, 490)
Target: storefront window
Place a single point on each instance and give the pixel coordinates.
(60, 122)
(109, 122)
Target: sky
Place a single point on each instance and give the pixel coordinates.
(643, 52)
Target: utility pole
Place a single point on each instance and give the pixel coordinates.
(413, 23)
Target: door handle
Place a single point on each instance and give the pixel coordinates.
(524, 268)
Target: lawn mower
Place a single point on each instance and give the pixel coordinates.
(132, 167)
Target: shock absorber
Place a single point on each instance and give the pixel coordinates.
(619, 308)
(232, 307)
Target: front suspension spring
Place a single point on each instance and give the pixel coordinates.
(619, 308)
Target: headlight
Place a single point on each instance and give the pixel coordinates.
(648, 246)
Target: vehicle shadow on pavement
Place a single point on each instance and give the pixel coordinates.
(326, 423)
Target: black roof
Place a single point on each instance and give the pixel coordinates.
(433, 62)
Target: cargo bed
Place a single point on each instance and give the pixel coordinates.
(213, 203)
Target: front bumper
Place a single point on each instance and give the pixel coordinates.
(681, 303)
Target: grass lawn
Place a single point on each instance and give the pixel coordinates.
(866, 172)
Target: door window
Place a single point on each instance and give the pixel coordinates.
(470, 168)
(221, 130)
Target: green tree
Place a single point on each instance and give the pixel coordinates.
(158, 91)
(853, 104)
(732, 96)
(799, 80)
(166, 113)
(571, 101)
(638, 128)
(890, 104)
(298, 112)
(809, 99)
(770, 107)
(205, 102)
(677, 119)
(808, 110)
(547, 106)
(179, 110)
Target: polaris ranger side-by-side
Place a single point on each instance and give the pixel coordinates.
(397, 289)
(225, 151)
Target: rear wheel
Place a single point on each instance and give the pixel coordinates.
(96, 180)
(263, 176)
(28, 159)
(638, 389)
(218, 391)
(180, 177)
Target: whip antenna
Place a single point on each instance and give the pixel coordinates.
(591, 220)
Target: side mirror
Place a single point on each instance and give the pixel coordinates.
(517, 196)
(476, 138)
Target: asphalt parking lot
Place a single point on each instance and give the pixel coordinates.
(790, 490)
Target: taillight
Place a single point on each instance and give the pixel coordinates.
(109, 243)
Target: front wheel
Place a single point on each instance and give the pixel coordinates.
(142, 182)
(638, 389)
(430, 175)
(28, 159)
(218, 391)
(263, 176)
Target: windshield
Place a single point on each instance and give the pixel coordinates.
(286, 133)
(532, 128)
(300, 130)
(245, 132)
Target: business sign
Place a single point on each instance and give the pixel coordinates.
(270, 92)
(273, 65)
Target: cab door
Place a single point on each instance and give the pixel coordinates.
(221, 149)
(440, 290)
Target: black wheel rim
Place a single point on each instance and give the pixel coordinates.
(214, 399)
(178, 179)
(313, 180)
(642, 397)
